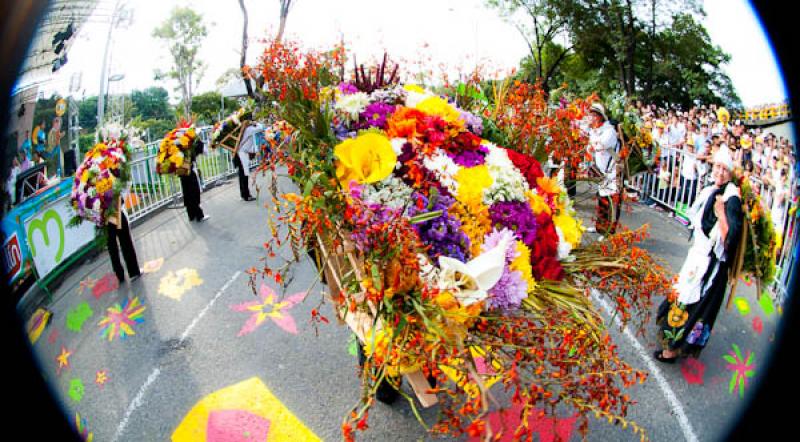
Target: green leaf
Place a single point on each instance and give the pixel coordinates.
(732, 384)
(423, 217)
(729, 358)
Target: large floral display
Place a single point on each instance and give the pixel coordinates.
(176, 150)
(454, 252)
(99, 182)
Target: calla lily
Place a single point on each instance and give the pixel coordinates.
(470, 282)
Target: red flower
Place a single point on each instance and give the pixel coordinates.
(547, 268)
(529, 167)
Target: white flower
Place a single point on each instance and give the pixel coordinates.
(564, 247)
(444, 168)
(391, 192)
(414, 98)
(508, 184)
(96, 206)
(397, 145)
(353, 104)
(470, 282)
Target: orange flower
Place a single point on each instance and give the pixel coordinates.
(548, 185)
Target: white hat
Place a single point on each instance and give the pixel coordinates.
(597, 107)
(723, 157)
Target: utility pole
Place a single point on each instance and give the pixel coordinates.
(119, 15)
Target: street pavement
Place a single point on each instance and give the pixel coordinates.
(194, 360)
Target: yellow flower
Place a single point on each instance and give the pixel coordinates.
(414, 88)
(522, 264)
(475, 222)
(368, 158)
(184, 141)
(548, 185)
(472, 181)
(570, 227)
(537, 202)
(439, 106)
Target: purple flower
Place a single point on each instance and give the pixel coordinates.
(473, 123)
(509, 291)
(469, 158)
(517, 216)
(347, 88)
(375, 115)
(442, 234)
(495, 237)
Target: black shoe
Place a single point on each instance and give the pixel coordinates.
(121, 278)
(205, 217)
(659, 355)
(249, 198)
(386, 393)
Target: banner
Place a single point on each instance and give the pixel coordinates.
(50, 240)
(12, 257)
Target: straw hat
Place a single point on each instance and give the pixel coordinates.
(598, 108)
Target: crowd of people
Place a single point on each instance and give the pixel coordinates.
(688, 140)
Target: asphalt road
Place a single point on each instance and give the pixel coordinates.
(200, 366)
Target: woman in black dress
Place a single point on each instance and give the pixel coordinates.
(717, 218)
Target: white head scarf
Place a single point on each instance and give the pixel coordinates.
(723, 157)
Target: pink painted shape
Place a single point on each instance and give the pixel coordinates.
(104, 285)
(53, 336)
(548, 427)
(693, 371)
(286, 323)
(236, 426)
(758, 325)
(480, 364)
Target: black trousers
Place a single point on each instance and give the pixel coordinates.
(120, 238)
(191, 196)
(244, 189)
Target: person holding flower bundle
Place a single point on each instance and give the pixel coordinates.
(602, 143)
(190, 185)
(716, 217)
(98, 192)
(177, 154)
(248, 148)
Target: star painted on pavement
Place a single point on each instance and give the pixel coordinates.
(267, 308)
(63, 359)
(100, 378)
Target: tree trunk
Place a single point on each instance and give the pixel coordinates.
(243, 58)
(285, 5)
(630, 50)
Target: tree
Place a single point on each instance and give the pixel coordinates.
(87, 113)
(183, 32)
(206, 107)
(286, 5)
(243, 59)
(152, 103)
(539, 24)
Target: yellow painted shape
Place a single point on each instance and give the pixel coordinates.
(252, 396)
(471, 389)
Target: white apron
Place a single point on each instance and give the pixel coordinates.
(690, 279)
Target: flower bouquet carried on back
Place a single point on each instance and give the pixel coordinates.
(177, 149)
(99, 182)
(456, 261)
(226, 133)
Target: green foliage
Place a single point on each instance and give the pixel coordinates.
(206, 108)
(152, 103)
(87, 114)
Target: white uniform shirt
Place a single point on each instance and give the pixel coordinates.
(604, 140)
(247, 146)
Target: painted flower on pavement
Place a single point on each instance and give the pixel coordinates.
(743, 368)
(121, 319)
(267, 307)
(175, 284)
(100, 378)
(76, 390)
(108, 283)
(153, 266)
(63, 359)
(693, 371)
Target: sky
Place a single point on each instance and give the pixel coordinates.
(450, 32)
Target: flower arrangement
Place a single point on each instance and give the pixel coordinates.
(454, 250)
(177, 149)
(759, 238)
(229, 124)
(99, 182)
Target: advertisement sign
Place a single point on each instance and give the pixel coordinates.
(12, 257)
(50, 240)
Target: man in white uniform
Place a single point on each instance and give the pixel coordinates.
(247, 149)
(602, 144)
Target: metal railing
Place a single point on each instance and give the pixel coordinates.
(150, 191)
(669, 186)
